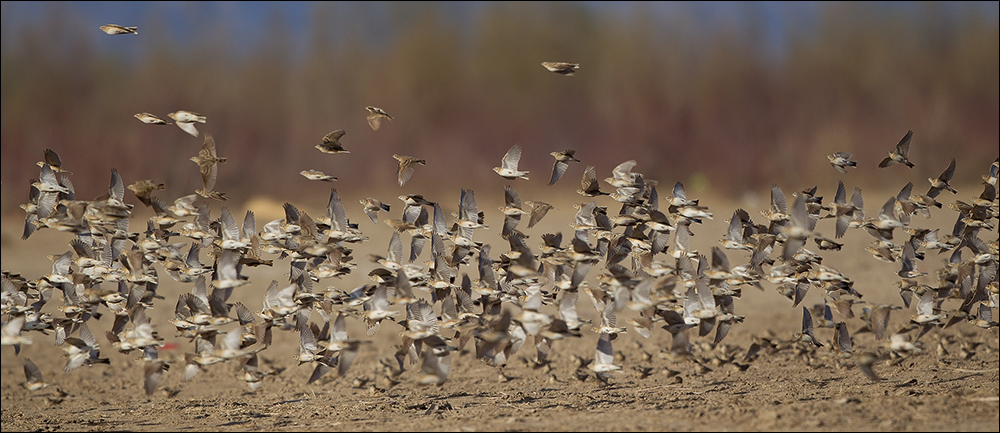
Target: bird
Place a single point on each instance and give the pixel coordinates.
(252, 374)
(152, 373)
(186, 120)
(898, 155)
(406, 165)
(842, 340)
(31, 209)
(512, 211)
(984, 319)
(317, 175)
(604, 357)
(798, 229)
(231, 237)
(563, 159)
(414, 200)
(538, 211)
(10, 334)
(991, 177)
(376, 309)
(827, 243)
(806, 335)
(886, 221)
(436, 361)
(209, 161)
(680, 199)
(83, 350)
(842, 160)
(61, 269)
(115, 29)
(143, 188)
(393, 259)
(925, 314)
(778, 213)
(908, 260)
(562, 68)
(940, 183)
(184, 206)
(508, 166)
(331, 143)
(589, 187)
(151, 119)
(33, 375)
(865, 361)
(53, 162)
(622, 176)
(375, 116)
(372, 206)
(843, 211)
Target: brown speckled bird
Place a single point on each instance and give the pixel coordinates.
(406, 165)
(562, 164)
(209, 161)
(331, 143)
(562, 68)
(186, 119)
(151, 119)
(898, 155)
(375, 116)
(143, 188)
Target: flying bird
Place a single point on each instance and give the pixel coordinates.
(807, 335)
(209, 161)
(331, 143)
(562, 68)
(941, 183)
(143, 188)
(842, 160)
(898, 155)
(372, 206)
(406, 165)
(508, 166)
(512, 211)
(151, 119)
(375, 116)
(538, 211)
(115, 29)
(33, 375)
(865, 361)
(317, 175)
(562, 164)
(53, 161)
(186, 119)
(588, 184)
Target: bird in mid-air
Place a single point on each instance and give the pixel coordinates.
(151, 119)
(115, 29)
(563, 159)
(375, 116)
(508, 166)
(331, 143)
(842, 160)
(186, 119)
(898, 155)
(562, 68)
(406, 165)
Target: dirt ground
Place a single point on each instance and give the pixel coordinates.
(950, 385)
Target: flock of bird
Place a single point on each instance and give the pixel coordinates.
(635, 258)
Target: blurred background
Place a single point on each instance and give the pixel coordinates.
(727, 97)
